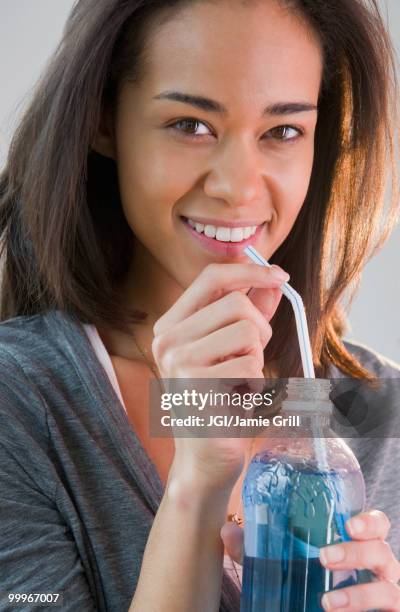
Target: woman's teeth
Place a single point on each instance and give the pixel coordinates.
(224, 234)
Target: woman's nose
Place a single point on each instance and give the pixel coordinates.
(237, 175)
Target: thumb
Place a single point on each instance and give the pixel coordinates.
(266, 300)
(232, 536)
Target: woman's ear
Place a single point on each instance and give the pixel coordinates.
(104, 142)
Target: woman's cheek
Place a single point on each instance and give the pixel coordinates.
(170, 177)
(151, 190)
(288, 188)
(296, 179)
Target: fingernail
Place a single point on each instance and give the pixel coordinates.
(334, 599)
(356, 526)
(332, 554)
(279, 274)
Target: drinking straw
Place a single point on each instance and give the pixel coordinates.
(299, 313)
(305, 351)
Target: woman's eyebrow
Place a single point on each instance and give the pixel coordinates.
(206, 104)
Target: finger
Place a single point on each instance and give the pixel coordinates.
(373, 595)
(368, 525)
(213, 282)
(375, 555)
(232, 537)
(245, 368)
(233, 307)
(265, 300)
(240, 338)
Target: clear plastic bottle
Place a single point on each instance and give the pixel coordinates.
(298, 493)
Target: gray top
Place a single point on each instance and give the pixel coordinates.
(78, 492)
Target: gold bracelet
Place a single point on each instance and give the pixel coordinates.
(235, 518)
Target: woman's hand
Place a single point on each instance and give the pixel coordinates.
(216, 331)
(368, 550)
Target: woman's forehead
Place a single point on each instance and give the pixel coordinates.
(234, 50)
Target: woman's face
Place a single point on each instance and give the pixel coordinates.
(220, 131)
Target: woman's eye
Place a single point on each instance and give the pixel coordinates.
(285, 133)
(193, 128)
(190, 127)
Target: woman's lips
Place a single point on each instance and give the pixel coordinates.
(222, 248)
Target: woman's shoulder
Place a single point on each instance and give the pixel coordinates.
(378, 364)
(18, 333)
(23, 342)
(34, 361)
(23, 411)
(375, 407)
(40, 340)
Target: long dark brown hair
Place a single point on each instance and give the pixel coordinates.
(65, 242)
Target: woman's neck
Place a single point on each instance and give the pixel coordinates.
(147, 286)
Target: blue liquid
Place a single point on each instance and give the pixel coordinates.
(292, 509)
(273, 586)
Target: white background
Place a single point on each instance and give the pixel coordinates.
(30, 30)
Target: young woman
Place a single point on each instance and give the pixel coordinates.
(163, 138)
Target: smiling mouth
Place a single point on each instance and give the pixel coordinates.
(221, 233)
